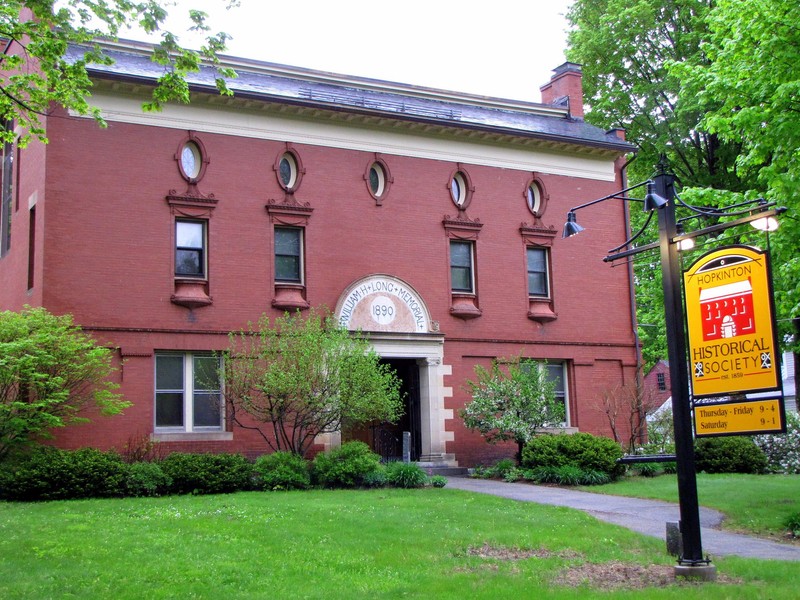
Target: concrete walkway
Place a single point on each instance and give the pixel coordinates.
(645, 516)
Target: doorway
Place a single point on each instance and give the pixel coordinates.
(386, 439)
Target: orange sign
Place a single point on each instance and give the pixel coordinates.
(732, 344)
(737, 418)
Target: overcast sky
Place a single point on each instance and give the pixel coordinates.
(500, 48)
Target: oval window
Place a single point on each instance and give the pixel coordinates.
(458, 189)
(377, 180)
(534, 199)
(191, 160)
(287, 170)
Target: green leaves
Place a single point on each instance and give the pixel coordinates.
(35, 71)
(300, 376)
(49, 371)
(512, 404)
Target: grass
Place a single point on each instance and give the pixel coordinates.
(429, 543)
(757, 504)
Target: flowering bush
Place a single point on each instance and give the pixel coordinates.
(782, 450)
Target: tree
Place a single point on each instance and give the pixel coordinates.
(49, 371)
(753, 75)
(626, 408)
(298, 377)
(36, 70)
(512, 404)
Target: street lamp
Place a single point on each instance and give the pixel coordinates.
(661, 198)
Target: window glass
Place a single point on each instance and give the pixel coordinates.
(189, 248)
(191, 160)
(287, 170)
(6, 191)
(537, 272)
(187, 393)
(461, 266)
(288, 254)
(534, 199)
(458, 189)
(377, 179)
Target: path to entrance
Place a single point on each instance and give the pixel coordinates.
(645, 516)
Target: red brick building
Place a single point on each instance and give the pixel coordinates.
(430, 219)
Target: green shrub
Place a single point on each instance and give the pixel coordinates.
(595, 478)
(52, 474)
(568, 475)
(147, 479)
(729, 454)
(282, 471)
(503, 466)
(376, 479)
(648, 469)
(792, 523)
(512, 475)
(405, 475)
(437, 481)
(208, 473)
(345, 466)
(581, 450)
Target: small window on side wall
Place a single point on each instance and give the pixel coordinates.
(536, 197)
(538, 273)
(190, 248)
(378, 180)
(462, 267)
(461, 189)
(289, 170)
(288, 255)
(192, 159)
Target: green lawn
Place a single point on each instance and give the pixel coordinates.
(428, 543)
(751, 503)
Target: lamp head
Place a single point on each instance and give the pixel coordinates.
(651, 199)
(571, 227)
(765, 223)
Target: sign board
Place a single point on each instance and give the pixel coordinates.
(737, 418)
(730, 319)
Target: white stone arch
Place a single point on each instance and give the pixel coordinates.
(397, 321)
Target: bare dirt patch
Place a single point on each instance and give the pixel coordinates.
(502, 553)
(619, 575)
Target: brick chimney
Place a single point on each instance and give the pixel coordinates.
(565, 89)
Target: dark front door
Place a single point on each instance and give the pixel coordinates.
(386, 439)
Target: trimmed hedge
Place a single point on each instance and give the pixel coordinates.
(208, 473)
(282, 471)
(52, 474)
(729, 454)
(347, 466)
(581, 450)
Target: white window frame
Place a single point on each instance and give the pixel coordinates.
(548, 284)
(471, 245)
(188, 396)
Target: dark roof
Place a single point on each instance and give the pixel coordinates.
(273, 83)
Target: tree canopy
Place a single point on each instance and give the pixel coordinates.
(301, 376)
(36, 70)
(512, 403)
(711, 85)
(49, 371)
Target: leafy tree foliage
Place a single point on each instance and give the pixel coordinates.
(753, 75)
(49, 370)
(512, 404)
(298, 377)
(712, 86)
(36, 70)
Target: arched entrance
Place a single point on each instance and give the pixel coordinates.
(396, 320)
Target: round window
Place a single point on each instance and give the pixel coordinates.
(287, 170)
(377, 180)
(458, 189)
(534, 199)
(191, 160)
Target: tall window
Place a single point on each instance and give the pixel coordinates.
(538, 278)
(187, 392)
(289, 254)
(557, 375)
(462, 267)
(661, 380)
(190, 248)
(6, 191)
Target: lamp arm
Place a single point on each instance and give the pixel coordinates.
(633, 238)
(615, 195)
